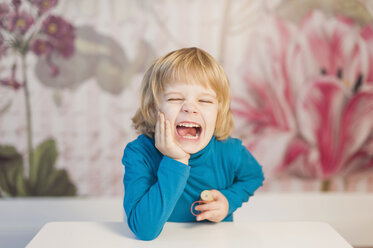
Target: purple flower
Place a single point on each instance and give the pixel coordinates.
(57, 27)
(61, 35)
(45, 48)
(41, 47)
(20, 22)
(16, 4)
(4, 10)
(65, 47)
(44, 5)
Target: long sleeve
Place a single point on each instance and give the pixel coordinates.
(248, 178)
(150, 194)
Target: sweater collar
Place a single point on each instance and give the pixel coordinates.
(201, 155)
(197, 157)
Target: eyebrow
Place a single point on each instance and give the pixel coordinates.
(172, 92)
(180, 93)
(208, 94)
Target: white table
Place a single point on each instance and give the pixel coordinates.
(188, 235)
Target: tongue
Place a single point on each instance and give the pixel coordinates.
(183, 131)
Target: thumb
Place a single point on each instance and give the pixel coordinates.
(215, 194)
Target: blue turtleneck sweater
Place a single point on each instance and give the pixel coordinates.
(160, 189)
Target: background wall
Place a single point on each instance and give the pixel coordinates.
(300, 71)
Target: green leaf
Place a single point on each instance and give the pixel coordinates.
(7, 151)
(12, 182)
(59, 184)
(45, 179)
(45, 156)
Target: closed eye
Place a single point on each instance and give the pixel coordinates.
(174, 99)
(205, 101)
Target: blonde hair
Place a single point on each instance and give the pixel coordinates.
(184, 65)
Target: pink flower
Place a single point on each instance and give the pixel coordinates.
(20, 22)
(367, 35)
(44, 5)
(309, 96)
(268, 82)
(336, 46)
(335, 128)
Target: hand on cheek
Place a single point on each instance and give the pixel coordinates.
(164, 141)
(216, 210)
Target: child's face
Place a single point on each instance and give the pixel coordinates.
(192, 110)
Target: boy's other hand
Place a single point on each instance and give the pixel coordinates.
(164, 141)
(215, 210)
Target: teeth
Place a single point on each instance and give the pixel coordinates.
(191, 137)
(188, 125)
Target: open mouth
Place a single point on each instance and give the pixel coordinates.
(188, 130)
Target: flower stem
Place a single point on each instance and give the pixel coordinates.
(325, 185)
(28, 111)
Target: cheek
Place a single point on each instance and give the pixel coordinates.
(169, 112)
(211, 119)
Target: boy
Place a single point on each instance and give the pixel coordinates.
(184, 148)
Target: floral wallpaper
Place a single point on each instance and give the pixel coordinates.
(25, 31)
(310, 88)
(301, 74)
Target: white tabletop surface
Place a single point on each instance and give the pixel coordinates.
(188, 235)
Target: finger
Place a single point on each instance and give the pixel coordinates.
(157, 129)
(216, 194)
(168, 132)
(161, 129)
(207, 206)
(205, 215)
(214, 216)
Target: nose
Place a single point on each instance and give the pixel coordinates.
(189, 108)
